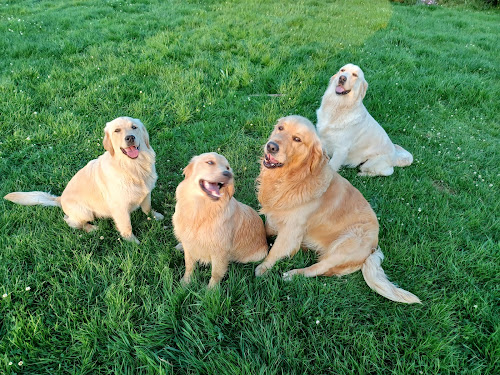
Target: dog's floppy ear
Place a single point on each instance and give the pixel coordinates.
(364, 87)
(146, 137)
(318, 156)
(230, 189)
(145, 134)
(106, 142)
(189, 168)
(333, 77)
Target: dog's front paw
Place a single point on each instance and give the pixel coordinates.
(157, 215)
(132, 238)
(260, 270)
(288, 276)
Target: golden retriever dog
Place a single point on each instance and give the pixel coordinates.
(111, 186)
(211, 225)
(349, 133)
(307, 204)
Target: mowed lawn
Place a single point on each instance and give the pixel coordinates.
(215, 76)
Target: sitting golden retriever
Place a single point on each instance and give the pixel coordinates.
(113, 185)
(211, 225)
(349, 133)
(308, 204)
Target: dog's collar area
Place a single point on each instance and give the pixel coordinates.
(339, 90)
(212, 189)
(132, 152)
(270, 162)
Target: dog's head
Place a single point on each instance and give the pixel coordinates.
(211, 176)
(126, 137)
(350, 82)
(294, 144)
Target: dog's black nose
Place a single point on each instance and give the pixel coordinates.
(342, 79)
(130, 139)
(272, 147)
(227, 174)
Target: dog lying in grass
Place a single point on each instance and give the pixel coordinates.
(349, 133)
(211, 225)
(308, 204)
(111, 186)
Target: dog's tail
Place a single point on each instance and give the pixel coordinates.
(402, 158)
(33, 198)
(377, 280)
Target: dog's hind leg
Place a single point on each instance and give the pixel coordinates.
(346, 255)
(78, 217)
(402, 158)
(378, 166)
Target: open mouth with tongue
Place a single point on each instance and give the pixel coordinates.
(339, 90)
(271, 162)
(132, 152)
(212, 189)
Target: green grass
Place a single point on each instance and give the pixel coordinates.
(199, 75)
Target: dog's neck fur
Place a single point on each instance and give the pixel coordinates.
(140, 170)
(281, 189)
(334, 108)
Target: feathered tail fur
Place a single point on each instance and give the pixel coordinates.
(33, 198)
(377, 280)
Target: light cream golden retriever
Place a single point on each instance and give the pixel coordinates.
(349, 133)
(113, 185)
(211, 225)
(307, 204)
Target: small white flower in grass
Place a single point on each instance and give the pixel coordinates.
(10, 363)
(419, 209)
(490, 185)
(28, 288)
(102, 237)
(20, 363)
(475, 306)
(28, 138)
(317, 321)
(4, 295)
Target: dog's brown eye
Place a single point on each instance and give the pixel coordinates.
(342, 70)
(134, 127)
(117, 130)
(210, 162)
(297, 139)
(227, 168)
(280, 127)
(354, 74)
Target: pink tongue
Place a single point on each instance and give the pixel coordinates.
(271, 159)
(211, 187)
(339, 89)
(132, 152)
